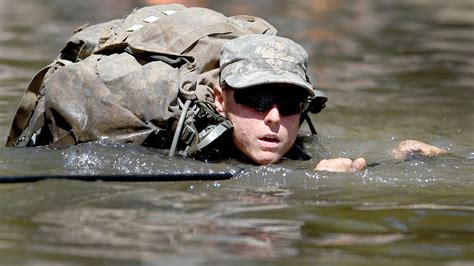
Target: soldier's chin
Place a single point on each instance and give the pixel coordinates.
(265, 157)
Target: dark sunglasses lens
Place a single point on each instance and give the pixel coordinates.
(257, 101)
(261, 101)
(289, 106)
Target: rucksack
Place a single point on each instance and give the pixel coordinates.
(145, 79)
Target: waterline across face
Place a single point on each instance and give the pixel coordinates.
(264, 137)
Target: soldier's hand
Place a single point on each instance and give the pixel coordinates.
(341, 165)
(410, 148)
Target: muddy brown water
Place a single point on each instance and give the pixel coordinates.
(393, 70)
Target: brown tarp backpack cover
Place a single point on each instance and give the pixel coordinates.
(145, 79)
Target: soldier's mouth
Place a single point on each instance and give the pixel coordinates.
(269, 141)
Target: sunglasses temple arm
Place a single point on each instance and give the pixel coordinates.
(305, 116)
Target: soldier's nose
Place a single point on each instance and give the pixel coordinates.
(272, 117)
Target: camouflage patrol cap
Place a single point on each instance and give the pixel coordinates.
(259, 59)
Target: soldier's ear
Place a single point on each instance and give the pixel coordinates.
(219, 100)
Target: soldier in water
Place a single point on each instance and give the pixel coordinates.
(263, 91)
(123, 92)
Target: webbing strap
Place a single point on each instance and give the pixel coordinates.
(186, 40)
(35, 84)
(257, 25)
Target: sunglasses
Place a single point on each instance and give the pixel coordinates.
(289, 102)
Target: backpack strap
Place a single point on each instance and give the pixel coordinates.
(187, 40)
(257, 25)
(21, 128)
(26, 108)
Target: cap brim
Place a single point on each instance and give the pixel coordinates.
(261, 77)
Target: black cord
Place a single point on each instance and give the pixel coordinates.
(122, 178)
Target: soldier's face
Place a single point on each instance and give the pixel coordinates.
(264, 137)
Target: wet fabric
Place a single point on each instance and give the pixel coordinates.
(255, 60)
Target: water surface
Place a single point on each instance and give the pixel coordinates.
(393, 70)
